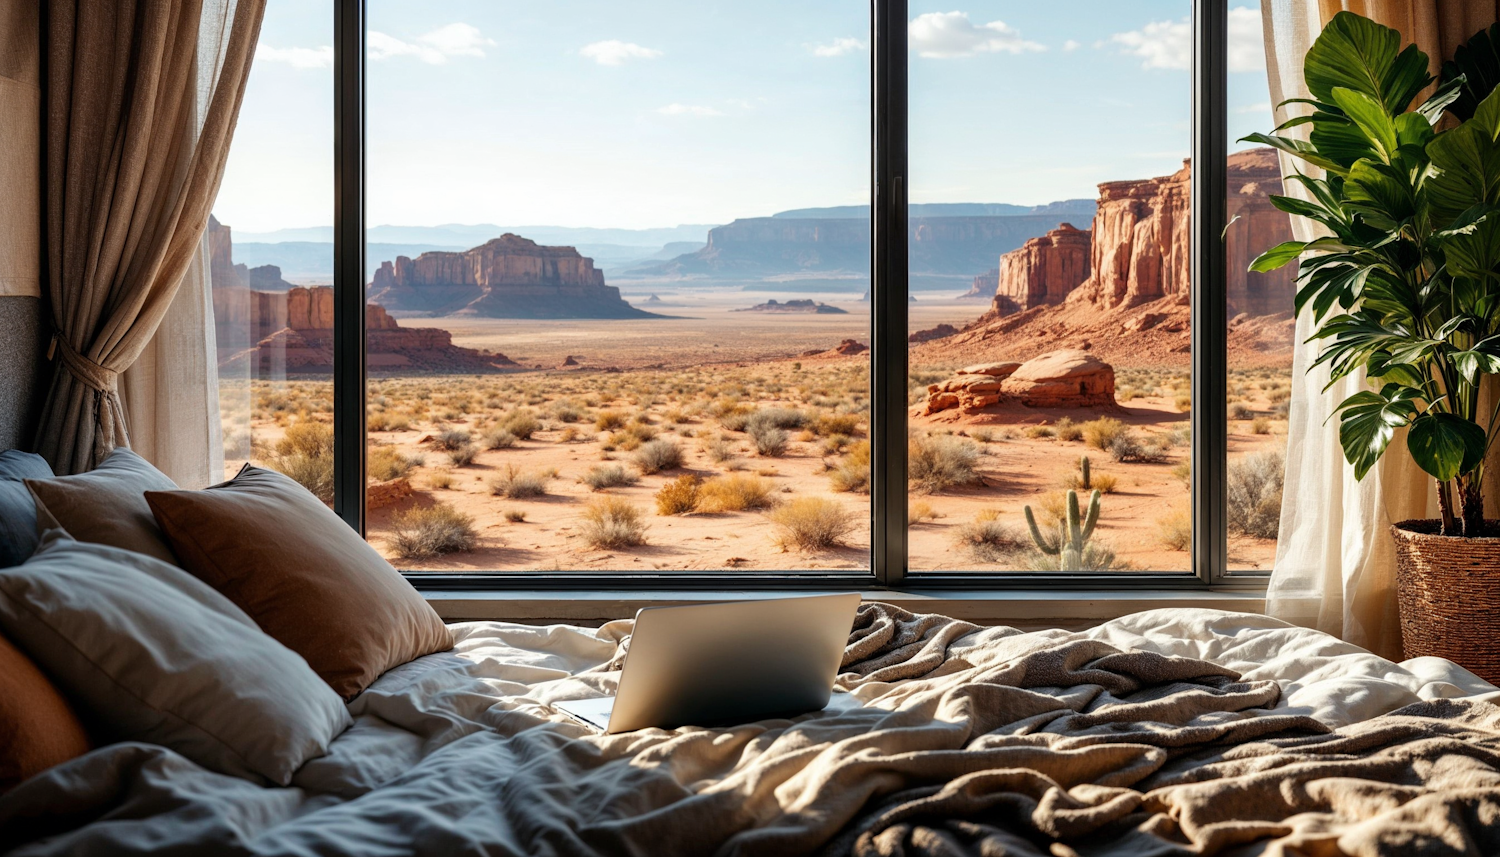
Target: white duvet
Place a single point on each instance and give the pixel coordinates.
(438, 744)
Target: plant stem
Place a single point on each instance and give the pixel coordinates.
(1471, 492)
(1445, 508)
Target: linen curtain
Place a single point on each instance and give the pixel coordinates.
(1335, 560)
(141, 101)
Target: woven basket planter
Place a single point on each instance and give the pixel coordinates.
(1449, 592)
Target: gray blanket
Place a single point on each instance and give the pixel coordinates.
(946, 739)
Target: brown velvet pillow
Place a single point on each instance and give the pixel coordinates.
(105, 506)
(308, 580)
(38, 728)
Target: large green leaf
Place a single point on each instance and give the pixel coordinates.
(1277, 256)
(1380, 193)
(1444, 445)
(1370, 116)
(1472, 248)
(1358, 54)
(1368, 420)
(1467, 163)
(1298, 148)
(1477, 62)
(1450, 91)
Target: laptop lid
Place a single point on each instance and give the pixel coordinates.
(732, 661)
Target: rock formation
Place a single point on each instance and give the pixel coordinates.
(812, 306)
(1044, 271)
(507, 277)
(984, 285)
(931, 333)
(1059, 379)
(1139, 247)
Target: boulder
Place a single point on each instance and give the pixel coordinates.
(1068, 378)
(942, 331)
(850, 346)
(995, 370)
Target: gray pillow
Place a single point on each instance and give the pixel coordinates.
(18, 536)
(107, 505)
(147, 652)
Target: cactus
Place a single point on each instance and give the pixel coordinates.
(1073, 536)
(1083, 467)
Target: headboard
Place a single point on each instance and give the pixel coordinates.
(21, 325)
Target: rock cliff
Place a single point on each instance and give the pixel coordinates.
(1139, 247)
(507, 277)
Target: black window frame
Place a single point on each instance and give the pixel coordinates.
(888, 422)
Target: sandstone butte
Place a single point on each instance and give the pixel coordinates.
(289, 328)
(506, 277)
(1138, 249)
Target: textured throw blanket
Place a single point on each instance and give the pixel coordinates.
(946, 739)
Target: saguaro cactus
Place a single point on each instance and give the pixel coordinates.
(1075, 532)
(1083, 468)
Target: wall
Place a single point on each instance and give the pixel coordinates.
(21, 323)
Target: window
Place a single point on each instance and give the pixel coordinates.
(723, 294)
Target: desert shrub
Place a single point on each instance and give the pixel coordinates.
(377, 421)
(812, 523)
(385, 463)
(1183, 404)
(921, 511)
(1183, 471)
(852, 473)
(738, 492)
(829, 425)
(1096, 557)
(515, 484)
(1052, 506)
(602, 476)
(938, 462)
(734, 419)
(499, 438)
(612, 522)
(1175, 530)
(658, 455)
(835, 444)
(523, 424)
(609, 420)
(1039, 432)
(679, 496)
(440, 480)
(988, 540)
(1253, 491)
(515, 516)
(451, 439)
(782, 418)
(432, 531)
(463, 456)
(983, 435)
(718, 449)
(1128, 447)
(1240, 411)
(1101, 433)
(769, 440)
(1068, 430)
(1106, 483)
(566, 412)
(1260, 425)
(305, 455)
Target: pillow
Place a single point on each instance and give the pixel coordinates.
(307, 578)
(105, 505)
(38, 728)
(149, 653)
(18, 536)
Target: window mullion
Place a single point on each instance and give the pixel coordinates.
(1210, 154)
(349, 262)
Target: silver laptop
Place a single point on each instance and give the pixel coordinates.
(730, 662)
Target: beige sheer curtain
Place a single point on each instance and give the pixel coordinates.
(1335, 561)
(141, 101)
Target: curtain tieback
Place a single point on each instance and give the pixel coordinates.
(92, 374)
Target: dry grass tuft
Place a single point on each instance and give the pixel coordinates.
(432, 531)
(938, 462)
(852, 473)
(658, 455)
(812, 523)
(515, 484)
(602, 476)
(678, 497)
(988, 540)
(1101, 433)
(1175, 530)
(736, 492)
(610, 523)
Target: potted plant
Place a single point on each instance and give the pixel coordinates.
(1405, 284)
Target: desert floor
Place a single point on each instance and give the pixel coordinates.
(690, 380)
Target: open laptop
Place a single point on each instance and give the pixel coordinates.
(734, 661)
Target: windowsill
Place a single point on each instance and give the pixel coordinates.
(1014, 607)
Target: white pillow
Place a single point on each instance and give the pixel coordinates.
(150, 653)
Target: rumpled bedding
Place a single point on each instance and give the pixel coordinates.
(1169, 732)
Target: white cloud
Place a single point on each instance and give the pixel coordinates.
(840, 47)
(1262, 107)
(319, 57)
(943, 35)
(1070, 45)
(1169, 44)
(434, 48)
(675, 109)
(616, 52)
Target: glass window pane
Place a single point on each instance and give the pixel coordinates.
(271, 260)
(1261, 329)
(1049, 278)
(619, 255)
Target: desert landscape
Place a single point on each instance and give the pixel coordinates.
(684, 419)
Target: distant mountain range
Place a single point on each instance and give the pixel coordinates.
(1083, 208)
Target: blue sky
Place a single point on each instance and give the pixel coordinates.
(591, 113)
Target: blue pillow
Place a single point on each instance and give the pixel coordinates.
(18, 538)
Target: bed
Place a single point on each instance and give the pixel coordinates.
(1167, 732)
